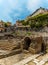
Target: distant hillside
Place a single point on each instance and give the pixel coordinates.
(39, 11)
(39, 19)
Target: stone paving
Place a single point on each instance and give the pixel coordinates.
(34, 59)
(43, 61)
(14, 59)
(25, 59)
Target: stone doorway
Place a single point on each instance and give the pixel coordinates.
(43, 47)
(27, 42)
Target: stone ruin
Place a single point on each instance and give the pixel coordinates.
(34, 45)
(29, 43)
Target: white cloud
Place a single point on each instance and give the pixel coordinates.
(33, 4)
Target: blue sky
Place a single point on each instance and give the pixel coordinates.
(12, 10)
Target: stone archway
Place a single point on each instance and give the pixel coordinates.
(43, 47)
(27, 42)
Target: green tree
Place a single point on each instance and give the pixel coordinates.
(32, 24)
(5, 24)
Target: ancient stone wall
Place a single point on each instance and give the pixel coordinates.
(34, 45)
(9, 44)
